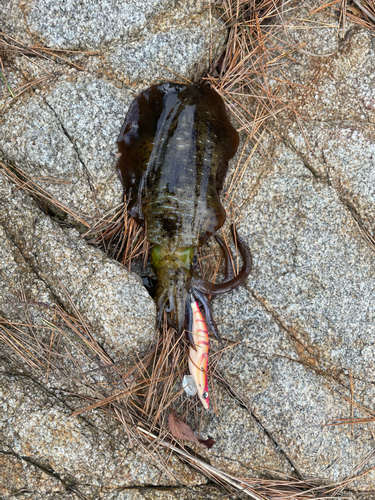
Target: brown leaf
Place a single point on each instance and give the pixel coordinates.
(180, 430)
(208, 443)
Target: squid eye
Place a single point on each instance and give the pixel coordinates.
(205, 395)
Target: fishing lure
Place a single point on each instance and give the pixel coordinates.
(198, 355)
(175, 145)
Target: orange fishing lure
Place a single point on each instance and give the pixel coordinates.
(198, 355)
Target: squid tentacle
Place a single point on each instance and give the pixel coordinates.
(189, 323)
(160, 308)
(206, 304)
(227, 286)
(229, 271)
(171, 303)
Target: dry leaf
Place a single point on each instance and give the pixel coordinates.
(208, 443)
(180, 430)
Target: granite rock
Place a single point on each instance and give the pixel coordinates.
(64, 453)
(340, 121)
(16, 279)
(304, 319)
(111, 300)
(81, 25)
(66, 141)
(22, 480)
(129, 41)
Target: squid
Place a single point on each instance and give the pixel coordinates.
(175, 145)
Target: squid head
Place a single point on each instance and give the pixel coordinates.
(174, 269)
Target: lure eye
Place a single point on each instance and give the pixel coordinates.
(205, 395)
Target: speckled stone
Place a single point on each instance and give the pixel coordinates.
(84, 25)
(22, 480)
(306, 314)
(132, 39)
(68, 453)
(304, 317)
(118, 308)
(17, 277)
(242, 447)
(67, 141)
(142, 59)
(340, 121)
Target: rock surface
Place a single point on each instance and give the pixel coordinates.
(72, 270)
(65, 135)
(76, 453)
(306, 317)
(304, 320)
(130, 40)
(68, 129)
